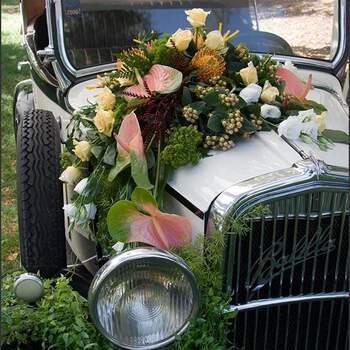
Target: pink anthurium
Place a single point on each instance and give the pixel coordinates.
(161, 79)
(293, 85)
(131, 151)
(140, 220)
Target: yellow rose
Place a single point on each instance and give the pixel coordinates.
(269, 92)
(197, 17)
(215, 40)
(321, 121)
(70, 175)
(106, 99)
(249, 74)
(104, 121)
(83, 150)
(181, 38)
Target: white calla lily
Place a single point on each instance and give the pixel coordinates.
(81, 185)
(70, 175)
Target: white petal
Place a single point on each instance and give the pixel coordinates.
(70, 210)
(251, 93)
(81, 185)
(270, 111)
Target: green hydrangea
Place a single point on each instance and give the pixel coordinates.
(182, 147)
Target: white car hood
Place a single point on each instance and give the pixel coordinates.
(263, 153)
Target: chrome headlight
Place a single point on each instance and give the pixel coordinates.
(143, 298)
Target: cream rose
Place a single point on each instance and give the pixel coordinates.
(215, 40)
(83, 150)
(106, 99)
(197, 17)
(321, 121)
(70, 175)
(249, 74)
(104, 121)
(269, 92)
(181, 38)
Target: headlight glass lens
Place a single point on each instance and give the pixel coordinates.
(145, 300)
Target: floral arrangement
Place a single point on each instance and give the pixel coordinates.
(172, 99)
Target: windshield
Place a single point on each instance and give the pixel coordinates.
(95, 31)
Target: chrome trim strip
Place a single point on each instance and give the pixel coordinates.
(305, 175)
(258, 304)
(297, 60)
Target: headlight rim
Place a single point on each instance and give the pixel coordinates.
(128, 256)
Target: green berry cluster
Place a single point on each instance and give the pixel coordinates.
(256, 121)
(182, 147)
(229, 99)
(190, 114)
(220, 142)
(233, 123)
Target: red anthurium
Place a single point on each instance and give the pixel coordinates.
(140, 220)
(294, 86)
(131, 152)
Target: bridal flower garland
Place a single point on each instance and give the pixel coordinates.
(171, 100)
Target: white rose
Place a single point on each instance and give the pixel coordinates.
(70, 175)
(181, 38)
(106, 99)
(70, 210)
(197, 17)
(81, 185)
(269, 111)
(249, 74)
(215, 40)
(251, 93)
(291, 127)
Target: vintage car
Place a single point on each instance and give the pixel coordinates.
(289, 276)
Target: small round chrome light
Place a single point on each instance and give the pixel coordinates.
(28, 287)
(143, 298)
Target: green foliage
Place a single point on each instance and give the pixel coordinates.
(162, 54)
(207, 330)
(133, 59)
(59, 320)
(182, 147)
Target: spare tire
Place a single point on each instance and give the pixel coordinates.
(40, 194)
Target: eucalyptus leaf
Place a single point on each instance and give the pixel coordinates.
(96, 151)
(110, 154)
(186, 96)
(212, 99)
(337, 136)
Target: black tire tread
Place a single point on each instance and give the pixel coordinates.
(40, 195)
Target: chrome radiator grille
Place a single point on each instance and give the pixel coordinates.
(298, 249)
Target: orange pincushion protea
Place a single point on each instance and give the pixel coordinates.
(209, 64)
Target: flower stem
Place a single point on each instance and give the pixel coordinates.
(157, 173)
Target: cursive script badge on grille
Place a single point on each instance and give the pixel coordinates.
(273, 263)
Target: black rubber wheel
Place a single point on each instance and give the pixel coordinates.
(40, 195)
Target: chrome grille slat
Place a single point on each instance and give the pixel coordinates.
(275, 237)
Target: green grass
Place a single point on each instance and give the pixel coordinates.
(12, 53)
